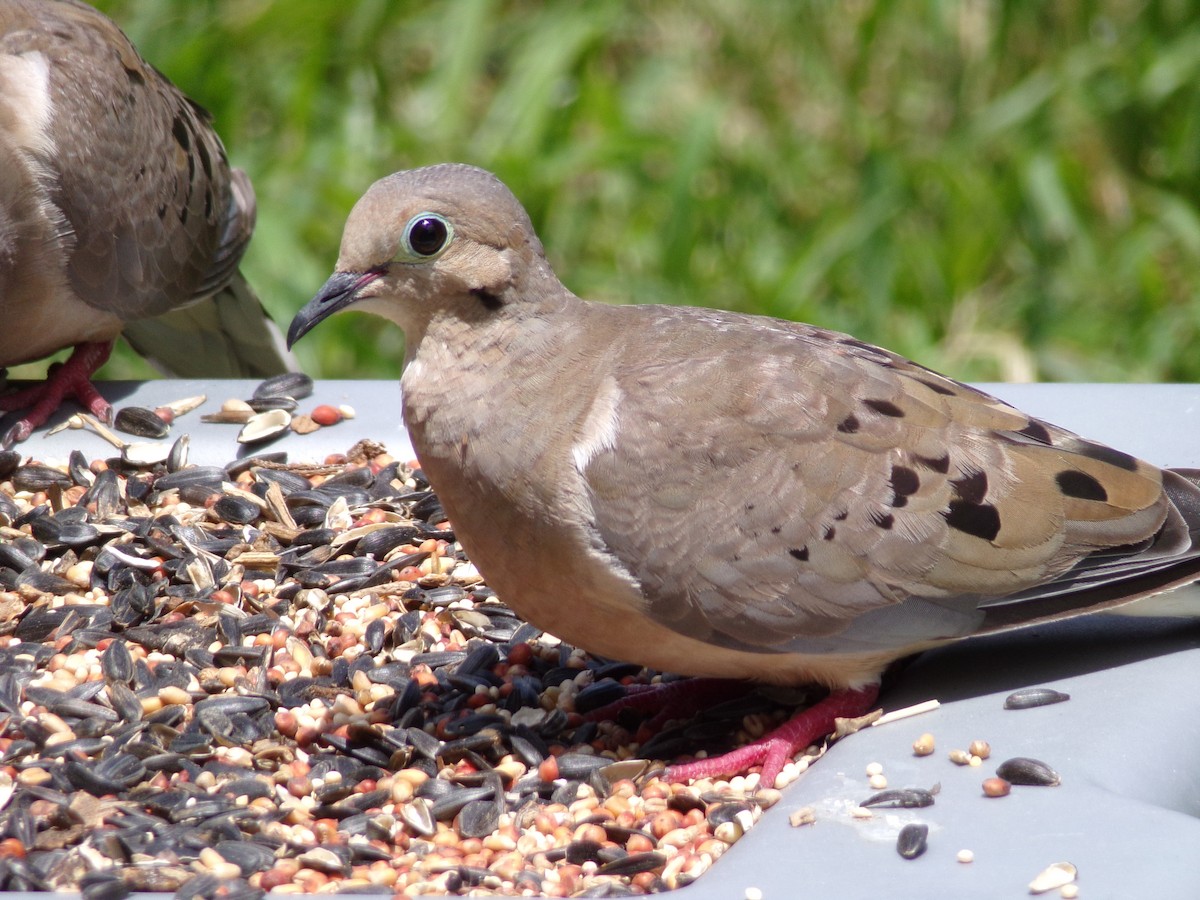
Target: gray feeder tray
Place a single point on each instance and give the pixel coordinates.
(1127, 744)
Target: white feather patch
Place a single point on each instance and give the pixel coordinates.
(25, 90)
(599, 431)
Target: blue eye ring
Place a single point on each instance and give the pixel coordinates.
(426, 236)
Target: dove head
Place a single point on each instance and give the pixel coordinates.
(443, 240)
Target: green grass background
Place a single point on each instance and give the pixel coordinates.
(1000, 190)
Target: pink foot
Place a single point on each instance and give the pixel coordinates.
(72, 378)
(775, 749)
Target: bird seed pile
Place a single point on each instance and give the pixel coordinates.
(271, 676)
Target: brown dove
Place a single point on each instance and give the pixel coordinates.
(728, 495)
(118, 209)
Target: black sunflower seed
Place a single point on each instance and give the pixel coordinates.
(1027, 771)
(142, 422)
(290, 384)
(912, 840)
(1028, 698)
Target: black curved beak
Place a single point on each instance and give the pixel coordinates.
(336, 294)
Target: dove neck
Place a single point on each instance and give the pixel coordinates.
(489, 383)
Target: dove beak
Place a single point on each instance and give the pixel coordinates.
(342, 289)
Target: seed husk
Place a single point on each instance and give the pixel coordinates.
(900, 798)
(304, 424)
(185, 405)
(264, 426)
(232, 412)
(1053, 877)
(912, 840)
(178, 456)
(1026, 771)
(805, 815)
(145, 453)
(1028, 698)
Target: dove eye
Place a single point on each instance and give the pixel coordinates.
(426, 236)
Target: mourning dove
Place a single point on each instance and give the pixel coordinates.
(117, 205)
(728, 495)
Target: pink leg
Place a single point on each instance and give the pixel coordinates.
(774, 750)
(72, 378)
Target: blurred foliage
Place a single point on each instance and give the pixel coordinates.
(1001, 190)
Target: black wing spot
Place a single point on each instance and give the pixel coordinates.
(842, 516)
(1038, 431)
(937, 464)
(848, 425)
(976, 519)
(936, 387)
(883, 520)
(830, 533)
(905, 482)
(1080, 485)
(180, 130)
(776, 529)
(971, 488)
(800, 553)
(885, 408)
(205, 159)
(1108, 455)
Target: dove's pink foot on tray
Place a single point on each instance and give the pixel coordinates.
(774, 750)
(72, 378)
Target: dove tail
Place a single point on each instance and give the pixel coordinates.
(227, 335)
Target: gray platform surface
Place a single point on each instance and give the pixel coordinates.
(1127, 744)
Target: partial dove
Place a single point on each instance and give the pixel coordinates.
(727, 495)
(118, 212)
